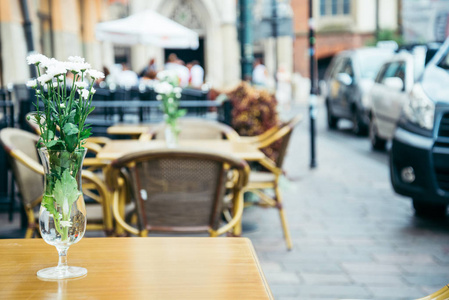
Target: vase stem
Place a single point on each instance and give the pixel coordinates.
(62, 264)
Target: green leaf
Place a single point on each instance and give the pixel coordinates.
(91, 110)
(66, 191)
(70, 129)
(85, 133)
(181, 113)
(51, 143)
(71, 142)
(47, 202)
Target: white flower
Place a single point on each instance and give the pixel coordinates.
(177, 90)
(61, 78)
(158, 97)
(76, 59)
(72, 67)
(36, 58)
(84, 66)
(32, 83)
(163, 88)
(84, 93)
(49, 62)
(76, 67)
(65, 223)
(167, 75)
(56, 69)
(43, 79)
(92, 91)
(62, 105)
(55, 84)
(95, 74)
(178, 95)
(81, 85)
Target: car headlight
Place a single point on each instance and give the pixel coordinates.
(420, 109)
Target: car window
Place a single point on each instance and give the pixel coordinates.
(339, 64)
(371, 62)
(347, 68)
(444, 62)
(389, 71)
(381, 73)
(400, 71)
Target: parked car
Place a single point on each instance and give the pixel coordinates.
(419, 158)
(391, 90)
(349, 78)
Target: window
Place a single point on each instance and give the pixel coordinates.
(335, 7)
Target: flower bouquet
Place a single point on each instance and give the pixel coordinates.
(169, 93)
(62, 106)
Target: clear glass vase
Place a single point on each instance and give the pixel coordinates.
(62, 216)
(171, 135)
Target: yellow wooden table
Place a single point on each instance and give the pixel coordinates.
(136, 268)
(117, 148)
(133, 130)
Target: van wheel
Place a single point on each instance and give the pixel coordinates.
(377, 143)
(331, 119)
(426, 209)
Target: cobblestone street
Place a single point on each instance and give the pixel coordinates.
(354, 238)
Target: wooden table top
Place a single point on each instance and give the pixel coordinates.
(117, 148)
(129, 129)
(136, 268)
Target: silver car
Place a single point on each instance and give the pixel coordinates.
(391, 91)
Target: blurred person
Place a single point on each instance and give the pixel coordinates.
(196, 74)
(284, 88)
(260, 73)
(127, 78)
(171, 62)
(150, 67)
(178, 66)
(149, 78)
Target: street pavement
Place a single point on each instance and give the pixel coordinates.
(353, 237)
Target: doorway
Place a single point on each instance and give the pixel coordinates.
(188, 55)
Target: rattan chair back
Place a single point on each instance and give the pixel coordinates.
(180, 190)
(28, 182)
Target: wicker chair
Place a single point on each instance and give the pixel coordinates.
(260, 181)
(28, 173)
(441, 294)
(177, 190)
(194, 128)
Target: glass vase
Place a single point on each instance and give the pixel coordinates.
(62, 216)
(171, 135)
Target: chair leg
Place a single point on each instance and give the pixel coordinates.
(287, 236)
(29, 233)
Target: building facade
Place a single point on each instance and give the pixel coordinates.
(339, 25)
(67, 27)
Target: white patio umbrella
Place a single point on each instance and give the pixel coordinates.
(147, 28)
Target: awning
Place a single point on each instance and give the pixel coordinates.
(147, 28)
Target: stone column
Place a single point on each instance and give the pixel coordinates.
(231, 66)
(14, 51)
(66, 28)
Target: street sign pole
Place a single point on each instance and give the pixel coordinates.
(313, 86)
(246, 39)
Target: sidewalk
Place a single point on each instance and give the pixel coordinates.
(353, 237)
